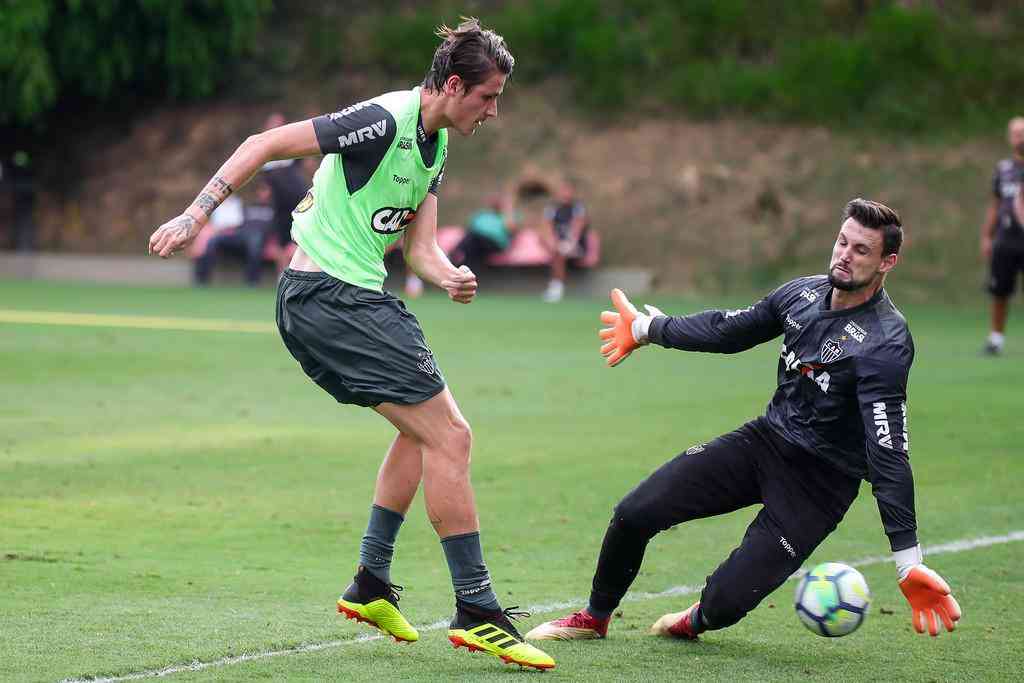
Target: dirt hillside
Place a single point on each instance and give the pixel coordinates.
(710, 206)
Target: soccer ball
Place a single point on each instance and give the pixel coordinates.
(832, 599)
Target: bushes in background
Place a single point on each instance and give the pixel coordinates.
(96, 49)
(884, 64)
(878, 64)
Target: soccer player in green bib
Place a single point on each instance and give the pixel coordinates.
(384, 161)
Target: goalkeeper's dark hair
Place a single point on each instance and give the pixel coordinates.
(469, 51)
(877, 216)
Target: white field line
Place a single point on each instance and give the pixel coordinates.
(545, 608)
(145, 322)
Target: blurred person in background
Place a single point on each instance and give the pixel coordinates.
(380, 176)
(838, 416)
(564, 233)
(6, 206)
(288, 183)
(488, 231)
(1002, 235)
(242, 229)
(18, 200)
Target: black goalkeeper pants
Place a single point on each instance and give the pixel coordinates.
(803, 497)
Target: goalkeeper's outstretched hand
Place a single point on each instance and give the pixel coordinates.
(627, 328)
(927, 592)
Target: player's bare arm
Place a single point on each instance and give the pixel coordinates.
(508, 209)
(286, 142)
(576, 226)
(547, 233)
(429, 261)
(988, 229)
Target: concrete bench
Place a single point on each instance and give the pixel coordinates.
(526, 248)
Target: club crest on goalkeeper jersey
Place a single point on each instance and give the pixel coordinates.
(842, 380)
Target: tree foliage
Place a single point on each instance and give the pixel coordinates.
(52, 49)
(885, 64)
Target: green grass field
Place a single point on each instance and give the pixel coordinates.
(174, 497)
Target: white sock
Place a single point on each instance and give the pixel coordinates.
(996, 339)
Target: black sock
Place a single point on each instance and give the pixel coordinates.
(697, 621)
(378, 544)
(470, 578)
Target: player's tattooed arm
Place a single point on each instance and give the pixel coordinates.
(290, 141)
(178, 233)
(174, 235)
(182, 226)
(215, 192)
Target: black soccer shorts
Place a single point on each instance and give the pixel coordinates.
(361, 346)
(1007, 261)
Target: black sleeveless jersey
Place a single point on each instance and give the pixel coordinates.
(842, 382)
(1006, 180)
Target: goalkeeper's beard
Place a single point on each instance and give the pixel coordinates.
(850, 285)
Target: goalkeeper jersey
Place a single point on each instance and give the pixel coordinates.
(842, 382)
(378, 167)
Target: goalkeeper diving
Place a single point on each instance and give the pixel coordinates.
(838, 416)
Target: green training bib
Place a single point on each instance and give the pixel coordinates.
(347, 234)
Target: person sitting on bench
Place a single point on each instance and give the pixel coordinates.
(488, 231)
(244, 231)
(565, 236)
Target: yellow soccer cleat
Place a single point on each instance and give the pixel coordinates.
(375, 602)
(491, 631)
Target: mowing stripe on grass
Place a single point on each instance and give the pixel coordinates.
(960, 546)
(135, 321)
